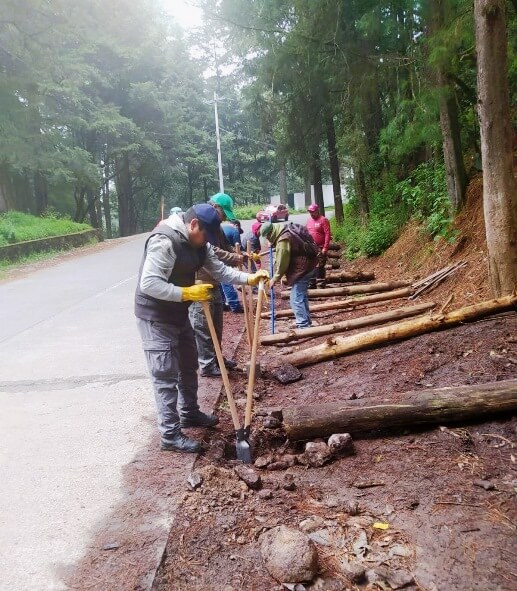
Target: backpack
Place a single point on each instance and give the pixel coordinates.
(308, 246)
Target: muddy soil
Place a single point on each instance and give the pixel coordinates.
(443, 531)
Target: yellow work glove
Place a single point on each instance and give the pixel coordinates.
(202, 292)
(255, 257)
(256, 278)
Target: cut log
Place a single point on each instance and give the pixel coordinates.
(332, 265)
(348, 304)
(339, 346)
(324, 329)
(349, 276)
(351, 289)
(334, 254)
(424, 407)
(335, 246)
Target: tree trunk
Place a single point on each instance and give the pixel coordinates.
(351, 290)
(40, 192)
(91, 210)
(124, 196)
(499, 184)
(282, 179)
(308, 192)
(346, 325)
(349, 304)
(421, 407)
(362, 195)
(106, 199)
(334, 166)
(449, 122)
(333, 254)
(317, 182)
(351, 276)
(339, 346)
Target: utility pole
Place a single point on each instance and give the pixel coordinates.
(219, 159)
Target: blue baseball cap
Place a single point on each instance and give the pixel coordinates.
(209, 221)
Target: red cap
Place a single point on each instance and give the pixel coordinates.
(255, 228)
(313, 207)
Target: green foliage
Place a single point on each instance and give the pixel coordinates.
(247, 212)
(16, 226)
(425, 193)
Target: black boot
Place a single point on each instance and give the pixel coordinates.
(181, 443)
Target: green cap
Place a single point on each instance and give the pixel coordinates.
(225, 202)
(266, 229)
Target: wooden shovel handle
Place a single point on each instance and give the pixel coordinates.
(245, 303)
(253, 360)
(222, 366)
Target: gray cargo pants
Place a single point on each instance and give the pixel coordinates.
(205, 347)
(172, 362)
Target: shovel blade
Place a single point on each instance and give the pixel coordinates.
(243, 449)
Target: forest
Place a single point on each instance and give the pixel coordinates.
(107, 108)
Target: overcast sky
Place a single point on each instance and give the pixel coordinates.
(184, 12)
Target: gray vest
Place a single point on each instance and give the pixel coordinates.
(188, 261)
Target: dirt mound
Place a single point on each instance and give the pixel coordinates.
(415, 254)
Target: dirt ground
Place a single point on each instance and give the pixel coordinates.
(445, 497)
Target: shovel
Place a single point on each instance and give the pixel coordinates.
(242, 446)
(253, 360)
(272, 292)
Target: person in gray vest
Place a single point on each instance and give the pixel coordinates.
(175, 251)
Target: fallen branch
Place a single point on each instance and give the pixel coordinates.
(339, 346)
(349, 304)
(429, 283)
(425, 407)
(317, 331)
(351, 289)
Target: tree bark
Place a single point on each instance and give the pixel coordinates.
(125, 197)
(333, 254)
(348, 304)
(362, 195)
(346, 325)
(317, 182)
(351, 290)
(106, 199)
(499, 184)
(335, 246)
(282, 179)
(449, 122)
(40, 192)
(334, 166)
(308, 192)
(339, 346)
(412, 409)
(351, 276)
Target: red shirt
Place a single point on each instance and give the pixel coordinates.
(319, 229)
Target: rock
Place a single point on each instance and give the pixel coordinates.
(353, 571)
(286, 374)
(195, 480)
(289, 459)
(249, 476)
(288, 482)
(396, 579)
(112, 546)
(272, 423)
(326, 584)
(312, 523)
(278, 466)
(263, 461)
(323, 537)
(289, 555)
(341, 444)
(276, 413)
(316, 454)
(265, 494)
(486, 484)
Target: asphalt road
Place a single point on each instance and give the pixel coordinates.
(74, 396)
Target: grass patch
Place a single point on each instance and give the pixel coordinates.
(16, 227)
(35, 257)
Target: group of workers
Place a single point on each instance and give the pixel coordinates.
(195, 257)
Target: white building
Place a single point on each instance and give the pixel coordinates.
(299, 198)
